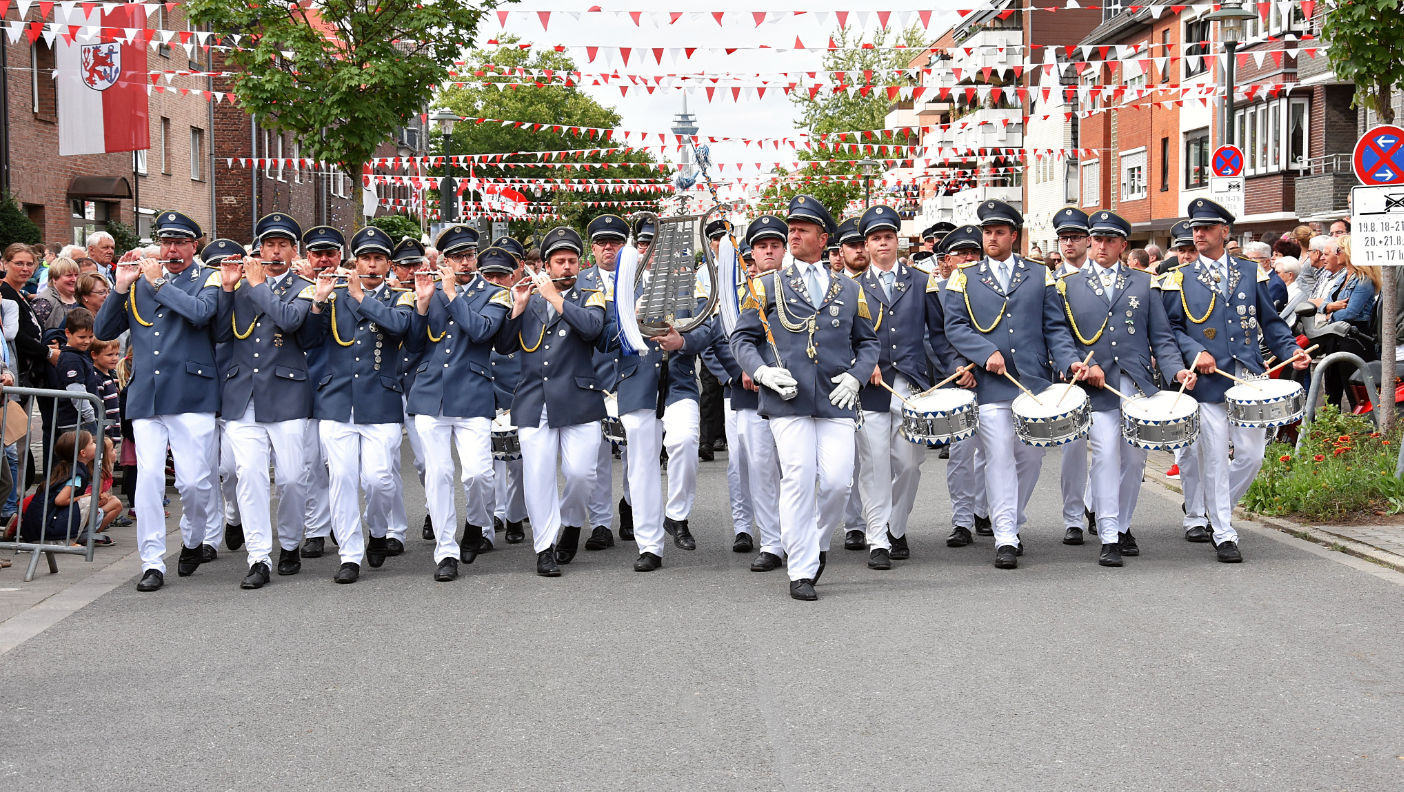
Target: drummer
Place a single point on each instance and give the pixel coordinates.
(1003, 314)
(1197, 527)
(1070, 224)
(1106, 303)
(1220, 311)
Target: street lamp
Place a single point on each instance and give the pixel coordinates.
(868, 168)
(448, 190)
(1231, 17)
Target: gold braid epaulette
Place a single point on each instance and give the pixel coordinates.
(1067, 309)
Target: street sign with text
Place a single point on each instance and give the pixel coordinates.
(1377, 225)
(1227, 191)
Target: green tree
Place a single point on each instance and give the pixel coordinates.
(15, 225)
(551, 103)
(342, 75)
(124, 237)
(398, 226)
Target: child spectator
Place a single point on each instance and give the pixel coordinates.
(111, 507)
(58, 509)
(74, 372)
(106, 355)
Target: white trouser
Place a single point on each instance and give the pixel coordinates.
(1191, 483)
(816, 467)
(764, 481)
(361, 457)
(472, 437)
(1011, 471)
(644, 479)
(577, 448)
(228, 480)
(252, 442)
(738, 471)
(1074, 482)
(507, 486)
(1116, 475)
(965, 481)
(1225, 481)
(889, 470)
(853, 500)
(415, 443)
(191, 437)
(601, 505)
(317, 515)
(681, 420)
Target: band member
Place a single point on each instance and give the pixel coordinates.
(607, 234)
(854, 257)
(824, 335)
(1070, 224)
(1003, 314)
(1116, 316)
(453, 328)
(1197, 527)
(965, 473)
(1220, 310)
(358, 403)
(509, 509)
(167, 304)
(324, 247)
(644, 230)
(712, 414)
(266, 394)
(405, 258)
(559, 403)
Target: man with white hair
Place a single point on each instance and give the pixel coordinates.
(1290, 269)
(102, 249)
(1260, 253)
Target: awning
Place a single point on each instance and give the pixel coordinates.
(114, 187)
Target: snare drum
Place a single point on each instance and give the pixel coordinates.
(1265, 403)
(1060, 415)
(941, 417)
(1163, 421)
(611, 426)
(505, 444)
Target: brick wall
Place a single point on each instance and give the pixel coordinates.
(1270, 194)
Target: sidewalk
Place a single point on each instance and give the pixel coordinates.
(1381, 544)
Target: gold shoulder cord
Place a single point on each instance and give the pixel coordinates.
(335, 335)
(131, 305)
(793, 325)
(1213, 295)
(976, 322)
(1067, 309)
(234, 323)
(539, 339)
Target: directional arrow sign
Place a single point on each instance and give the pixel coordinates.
(1379, 156)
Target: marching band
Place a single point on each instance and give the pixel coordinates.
(836, 379)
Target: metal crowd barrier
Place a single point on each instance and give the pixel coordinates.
(77, 539)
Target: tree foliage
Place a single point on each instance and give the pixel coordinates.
(124, 237)
(552, 103)
(15, 225)
(1364, 37)
(342, 75)
(398, 226)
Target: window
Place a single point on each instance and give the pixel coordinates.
(1164, 164)
(1197, 159)
(1165, 54)
(1273, 135)
(1196, 44)
(1092, 183)
(165, 145)
(273, 155)
(297, 163)
(1135, 70)
(43, 96)
(1277, 22)
(197, 152)
(156, 21)
(1133, 175)
(139, 162)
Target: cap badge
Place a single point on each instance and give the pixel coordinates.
(277, 219)
(170, 216)
(765, 221)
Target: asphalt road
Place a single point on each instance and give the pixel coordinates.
(1174, 672)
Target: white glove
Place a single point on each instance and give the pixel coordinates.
(778, 380)
(845, 394)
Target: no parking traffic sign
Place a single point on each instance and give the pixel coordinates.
(1227, 161)
(1226, 185)
(1379, 156)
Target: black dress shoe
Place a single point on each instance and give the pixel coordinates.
(1228, 552)
(682, 537)
(600, 538)
(945, 452)
(446, 570)
(1018, 545)
(314, 547)
(189, 561)
(497, 525)
(1091, 520)
(983, 526)
(765, 562)
(803, 590)
(257, 577)
(899, 551)
(233, 536)
(854, 540)
(515, 534)
(427, 531)
(1198, 534)
(375, 552)
(1006, 557)
(393, 546)
(546, 563)
(705, 452)
(567, 544)
(151, 580)
(208, 553)
(823, 560)
(879, 558)
(484, 544)
(289, 563)
(1128, 544)
(1111, 555)
(743, 543)
(468, 546)
(647, 562)
(348, 573)
(626, 520)
(1072, 536)
(960, 537)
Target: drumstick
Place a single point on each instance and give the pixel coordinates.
(950, 379)
(1308, 350)
(1239, 380)
(1183, 383)
(1123, 396)
(1021, 387)
(893, 392)
(1076, 377)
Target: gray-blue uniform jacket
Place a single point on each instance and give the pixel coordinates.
(173, 363)
(361, 341)
(454, 375)
(637, 386)
(260, 329)
(558, 373)
(1026, 326)
(606, 356)
(1229, 328)
(506, 373)
(902, 323)
(843, 341)
(1123, 334)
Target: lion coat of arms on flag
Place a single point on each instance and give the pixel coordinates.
(102, 65)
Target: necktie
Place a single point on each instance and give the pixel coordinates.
(1222, 268)
(1109, 280)
(1003, 271)
(811, 279)
(887, 280)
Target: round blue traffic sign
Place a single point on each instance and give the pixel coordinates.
(1227, 161)
(1379, 156)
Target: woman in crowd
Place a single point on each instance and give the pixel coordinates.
(1354, 307)
(92, 290)
(59, 296)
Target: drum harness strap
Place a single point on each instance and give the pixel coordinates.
(1067, 309)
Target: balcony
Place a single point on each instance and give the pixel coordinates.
(1323, 188)
(986, 127)
(985, 49)
(965, 202)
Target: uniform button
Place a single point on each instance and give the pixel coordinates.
(545, 362)
(1113, 343)
(545, 379)
(255, 354)
(158, 371)
(158, 332)
(445, 365)
(255, 371)
(355, 375)
(155, 351)
(894, 346)
(450, 323)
